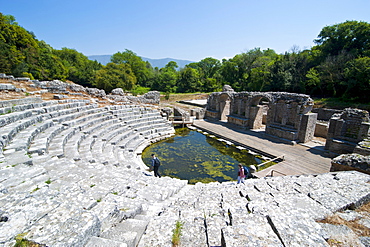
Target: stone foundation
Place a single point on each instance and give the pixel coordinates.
(346, 130)
(351, 162)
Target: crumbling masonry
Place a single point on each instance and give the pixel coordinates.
(287, 114)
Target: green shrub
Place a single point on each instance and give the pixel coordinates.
(140, 90)
(176, 234)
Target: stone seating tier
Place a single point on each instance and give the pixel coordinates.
(277, 211)
(49, 190)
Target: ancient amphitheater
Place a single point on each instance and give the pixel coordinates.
(70, 176)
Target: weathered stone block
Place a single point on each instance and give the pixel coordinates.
(307, 127)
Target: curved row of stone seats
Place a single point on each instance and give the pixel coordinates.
(18, 112)
(57, 145)
(25, 102)
(60, 201)
(71, 151)
(86, 145)
(32, 122)
(277, 211)
(98, 206)
(112, 134)
(136, 127)
(26, 136)
(146, 122)
(147, 136)
(22, 145)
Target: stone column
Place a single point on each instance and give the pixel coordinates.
(255, 117)
(307, 127)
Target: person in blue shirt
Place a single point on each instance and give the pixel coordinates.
(155, 164)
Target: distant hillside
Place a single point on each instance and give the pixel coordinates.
(160, 63)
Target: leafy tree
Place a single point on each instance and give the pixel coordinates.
(140, 68)
(189, 81)
(357, 75)
(16, 44)
(171, 66)
(332, 73)
(114, 76)
(229, 73)
(166, 78)
(350, 36)
(49, 65)
(80, 69)
(313, 82)
(281, 75)
(208, 67)
(260, 75)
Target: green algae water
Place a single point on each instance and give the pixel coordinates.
(196, 157)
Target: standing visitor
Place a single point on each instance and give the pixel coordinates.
(155, 164)
(241, 175)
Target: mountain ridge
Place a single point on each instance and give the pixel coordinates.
(160, 62)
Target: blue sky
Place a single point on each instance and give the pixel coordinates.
(190, 30)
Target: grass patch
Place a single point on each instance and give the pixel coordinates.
(140, 90)
(176, 233)
(35, 189)
(21, 241)
(338, 103)
(354, 225)
(48, 181)
(173, 97)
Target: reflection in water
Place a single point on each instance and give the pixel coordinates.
(195, 157)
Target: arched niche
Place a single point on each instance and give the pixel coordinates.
(258, 109)
(224, 106)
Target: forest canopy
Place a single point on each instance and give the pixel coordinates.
(338, 65)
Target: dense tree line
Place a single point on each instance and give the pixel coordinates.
(338, 65)
(22, 55)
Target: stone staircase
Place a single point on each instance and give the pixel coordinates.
(277, 211)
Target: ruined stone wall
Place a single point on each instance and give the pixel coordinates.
(324, 114)
(346, 130)
(287, 115)
(351, 162)
(321, 129)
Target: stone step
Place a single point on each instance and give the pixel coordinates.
(14, 178)
(254, 232)
(57, 144)
(164, 228)
(103, 242)
(72, 145)
(41, 141)
(129, 232)
(16, 105)
(24, 138)
(65, 226)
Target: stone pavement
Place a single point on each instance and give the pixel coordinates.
(298, 159)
